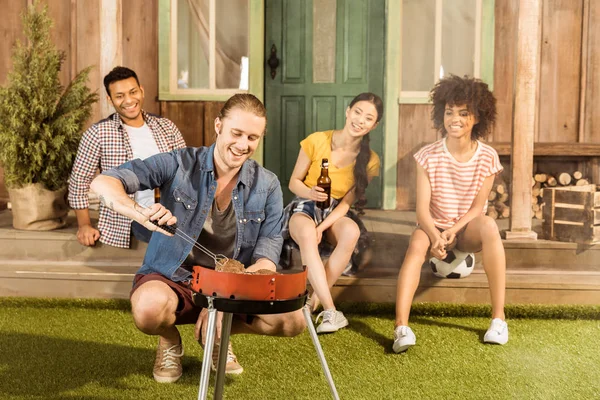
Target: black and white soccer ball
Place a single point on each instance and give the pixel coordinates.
(457, 264)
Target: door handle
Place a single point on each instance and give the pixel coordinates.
(273, 61)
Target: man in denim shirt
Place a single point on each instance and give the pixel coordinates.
(218, 197)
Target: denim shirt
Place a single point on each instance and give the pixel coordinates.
(186, 178)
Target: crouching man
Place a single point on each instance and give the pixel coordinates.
(220, 199)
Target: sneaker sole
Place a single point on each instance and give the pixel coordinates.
(166, 379)
(331, 330)
(230, 372)
(494, 341)
(400, 349)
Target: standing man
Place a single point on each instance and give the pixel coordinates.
(222, 200)
(128, 134)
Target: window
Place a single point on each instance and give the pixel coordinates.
(207, 48)
(442, 37)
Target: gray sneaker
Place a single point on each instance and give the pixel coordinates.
(497, 332)
(403, 338)
(167, 365)
(333, 320)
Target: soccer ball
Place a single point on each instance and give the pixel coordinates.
(457, 264)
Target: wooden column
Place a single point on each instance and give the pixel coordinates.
(111, 44)
(525, 106)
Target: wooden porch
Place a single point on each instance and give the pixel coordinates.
(54, 264)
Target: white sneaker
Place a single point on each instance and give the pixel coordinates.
(332, 321)
(403, 338)
(497, 333)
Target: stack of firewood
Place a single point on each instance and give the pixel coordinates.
(498, 204)
(498, 207)
(540, 181)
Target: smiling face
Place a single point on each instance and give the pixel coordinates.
(127, 97)
(238, 135)
(361, 118)
(459, 121)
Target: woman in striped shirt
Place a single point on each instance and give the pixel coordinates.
(454, 178)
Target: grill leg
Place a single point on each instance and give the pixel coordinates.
(317, 344)
(225, 333)
(208, 349)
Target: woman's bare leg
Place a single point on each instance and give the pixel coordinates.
(304, 232)
(482, 233)
(410, 274)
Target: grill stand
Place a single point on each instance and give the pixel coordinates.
(231, 306)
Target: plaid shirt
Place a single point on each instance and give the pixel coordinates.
(105, 145)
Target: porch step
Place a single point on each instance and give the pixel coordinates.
(522, 287)
(54, 264)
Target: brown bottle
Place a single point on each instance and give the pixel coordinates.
(324, 182)
(157, 195)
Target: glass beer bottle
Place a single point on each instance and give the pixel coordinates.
(324, 182)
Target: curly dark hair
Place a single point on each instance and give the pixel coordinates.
(474, 93)
(361, 180)
(119, 74)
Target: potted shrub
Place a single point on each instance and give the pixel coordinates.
(40, 126)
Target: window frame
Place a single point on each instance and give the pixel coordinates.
(167, 56)
(484, 50)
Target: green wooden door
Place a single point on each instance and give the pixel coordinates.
(329, 51)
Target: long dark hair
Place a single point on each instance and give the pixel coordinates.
(361, 179)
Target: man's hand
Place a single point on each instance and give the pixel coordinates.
(262, 263)
(202, 326)
(156, 212)
(87, 235)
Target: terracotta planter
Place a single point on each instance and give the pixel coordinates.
(35, 208)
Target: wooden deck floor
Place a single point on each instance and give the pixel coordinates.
(53, 264)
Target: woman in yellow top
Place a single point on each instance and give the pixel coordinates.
(352, 164)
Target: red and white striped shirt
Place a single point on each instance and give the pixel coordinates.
(454, 184)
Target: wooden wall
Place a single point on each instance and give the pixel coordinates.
(77, 31)
(569, 91)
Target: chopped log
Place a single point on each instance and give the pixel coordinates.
(564, 179)
(492, 195)
(540, 178)
(536, 189)
(542, 192)
(503, 209)
(503, 197)
(535, 200)
(577, 175)
(582, 182)
(551, 181)
(535, 207)
(539, 214)
(500, 188)
(491, 212)
(532, 181)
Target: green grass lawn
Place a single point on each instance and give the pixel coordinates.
(91, 350)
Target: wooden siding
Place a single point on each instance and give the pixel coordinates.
(569, 93)
(504, 67)
(415, 130)
(560, 71)
(194, 119)
(76, 31)
(591, 130)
